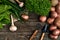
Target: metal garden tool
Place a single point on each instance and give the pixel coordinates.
(36, 31)
(44, 30)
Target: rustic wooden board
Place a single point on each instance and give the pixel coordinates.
(24, 31)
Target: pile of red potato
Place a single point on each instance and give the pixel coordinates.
(54, 21)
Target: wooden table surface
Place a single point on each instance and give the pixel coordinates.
(25, 30)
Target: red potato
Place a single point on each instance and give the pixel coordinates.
(56, 32)
(50, 20)
(52, 27)
(54, 14)
(59, 31)
(58, 16)
(42, 18)
(57, 22)
(52, 8)
(25, 17)
(53, 37)
(59, 0)
(58, 8)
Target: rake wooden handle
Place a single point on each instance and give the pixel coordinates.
(34, 34)
(42, 37)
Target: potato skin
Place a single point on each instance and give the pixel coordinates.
(52, 27)
(25, 17)
(58, 8)
(54, 14)
(53, 37)
(42, 18)
(52, 9)
(56, 32)
(57, 22)
(50, 20)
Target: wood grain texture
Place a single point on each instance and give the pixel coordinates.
(24, 32)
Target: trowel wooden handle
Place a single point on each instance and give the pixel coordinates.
(42, 37)
(34, 34)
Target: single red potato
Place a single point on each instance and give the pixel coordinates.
(52, 8)
(42, 18)
(58, 8)
(52, 27)
(53, 37)
(59, 31)
(25, 17)
(54, 14)
(56, 32)
(57, 22)
(50, 20)
(58, 16)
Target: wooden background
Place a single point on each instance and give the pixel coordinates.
(25, 30)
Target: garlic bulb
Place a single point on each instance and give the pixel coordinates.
(13, 28)
(21, 4)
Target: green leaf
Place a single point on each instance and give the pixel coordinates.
(5, 21)
(1, 26)
(7, 15)
(4, 8)
(40, 7)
